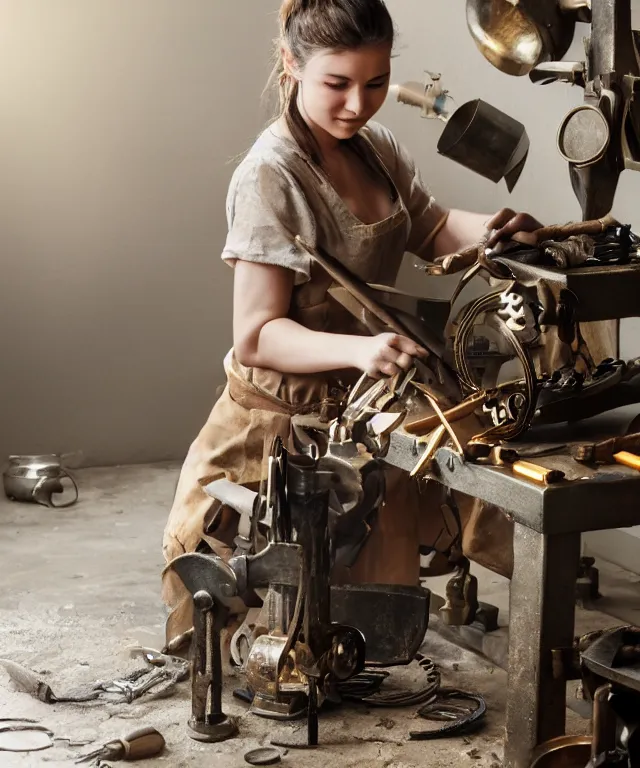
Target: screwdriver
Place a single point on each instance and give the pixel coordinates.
(140, 744)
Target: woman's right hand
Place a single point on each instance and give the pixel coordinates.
(386, 354)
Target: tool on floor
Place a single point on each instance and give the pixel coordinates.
(365, 688)
(24, 726)
(28, 681)
(464, 711)
(162, 673)
(212, 584)
(138, 745)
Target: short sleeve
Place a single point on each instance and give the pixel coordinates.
(266, 209)
(427, 215)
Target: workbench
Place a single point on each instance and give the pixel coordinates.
(548, 523)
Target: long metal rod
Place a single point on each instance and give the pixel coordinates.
(341, 276)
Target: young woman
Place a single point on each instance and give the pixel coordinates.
(325, 172)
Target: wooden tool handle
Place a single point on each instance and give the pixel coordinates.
(604, 452)
(628, 459)
(143, 743)
(426, 424)
(537, 473)
(455, 262)
(562, 231)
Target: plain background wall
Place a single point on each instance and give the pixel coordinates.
(119, 121)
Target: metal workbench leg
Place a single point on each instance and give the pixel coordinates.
(541, 617)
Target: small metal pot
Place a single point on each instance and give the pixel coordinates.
(563, 752)
(36, 479)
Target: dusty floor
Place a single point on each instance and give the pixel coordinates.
(81, 585)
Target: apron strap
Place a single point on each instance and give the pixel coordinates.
(249, 396)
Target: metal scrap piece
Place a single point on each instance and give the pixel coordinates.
(263, 756)
(27, 726)
(163, 671)
(461, 726)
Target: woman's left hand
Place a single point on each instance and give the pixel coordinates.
(509, 225)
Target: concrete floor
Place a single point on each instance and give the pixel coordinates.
(81, 585)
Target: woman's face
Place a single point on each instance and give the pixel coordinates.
(340, 91)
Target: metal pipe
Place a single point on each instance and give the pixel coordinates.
(309, 505)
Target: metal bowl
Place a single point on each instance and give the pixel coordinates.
(515, 36)
(505, 35)
(563, 752)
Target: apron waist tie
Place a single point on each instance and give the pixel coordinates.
(249, 396)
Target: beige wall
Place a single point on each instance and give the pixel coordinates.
(118, 120)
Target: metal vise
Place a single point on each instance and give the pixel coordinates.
(303, 654)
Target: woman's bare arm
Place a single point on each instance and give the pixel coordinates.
(264, 337)
(461, 229)
(464, 228)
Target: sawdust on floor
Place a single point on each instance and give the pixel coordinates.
(81, 585)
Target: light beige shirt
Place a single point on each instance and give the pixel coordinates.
(278, 192)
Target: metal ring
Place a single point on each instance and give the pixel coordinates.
(36, 728)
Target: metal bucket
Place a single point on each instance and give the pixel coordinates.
(486, 141)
